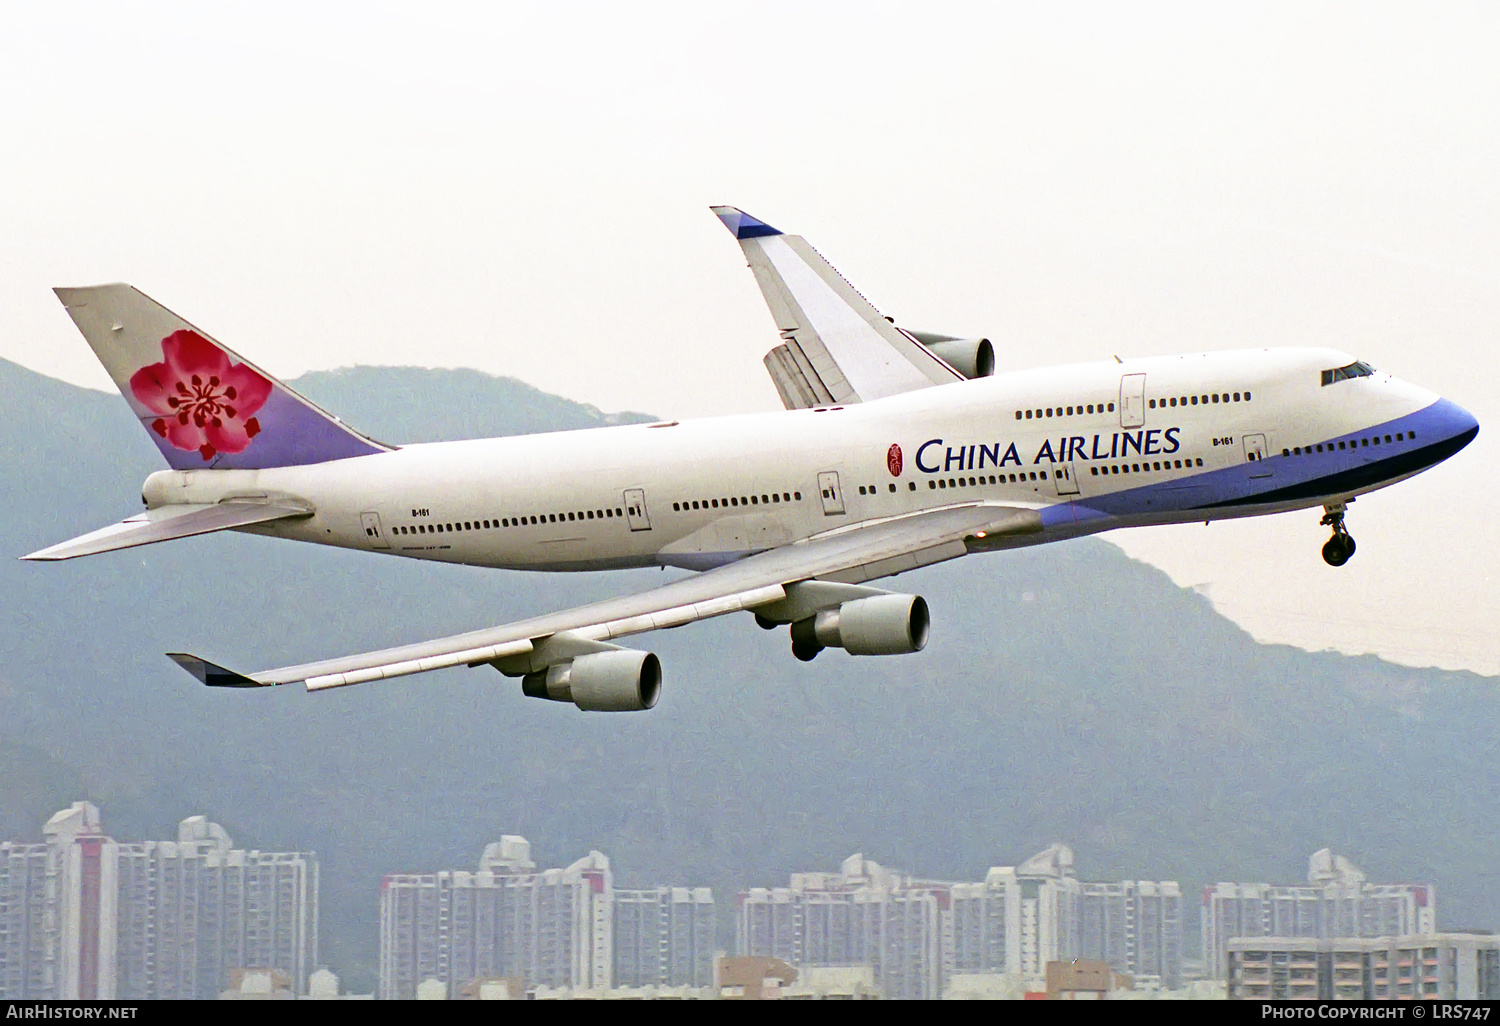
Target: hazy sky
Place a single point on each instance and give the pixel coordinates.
(524, 189)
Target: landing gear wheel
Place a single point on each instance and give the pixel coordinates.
(1338, 549)
(804, 651)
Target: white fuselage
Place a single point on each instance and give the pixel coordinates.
(1092, 446)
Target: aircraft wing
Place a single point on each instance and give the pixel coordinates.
(849, 555)
(167, 522)
(837, 348)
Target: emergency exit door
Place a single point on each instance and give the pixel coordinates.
(635, 509)
(833, 495)
(1132, 400)
(371, 523)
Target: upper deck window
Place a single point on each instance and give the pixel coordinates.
(1357, 369)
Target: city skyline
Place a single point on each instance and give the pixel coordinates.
(94, 933)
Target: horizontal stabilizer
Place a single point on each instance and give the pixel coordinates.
(167, 522)
(212, 674)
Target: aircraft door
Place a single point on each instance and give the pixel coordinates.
(371, 523)
(1063, 476)
(1132, 400)
(1255, 451)
(635, 510)
(833, 495)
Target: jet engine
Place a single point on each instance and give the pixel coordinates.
(620, 680)
(971, 357)
(882, 625)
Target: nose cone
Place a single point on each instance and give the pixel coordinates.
(1454, 423)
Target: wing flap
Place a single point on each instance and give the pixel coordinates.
(166, 523)
(851, 554)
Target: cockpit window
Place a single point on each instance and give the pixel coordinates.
(1357, 369)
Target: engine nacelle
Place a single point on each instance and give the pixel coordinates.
(971, 357)
(883, 625)
(618, 681)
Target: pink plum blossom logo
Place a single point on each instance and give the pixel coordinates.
(202, 401)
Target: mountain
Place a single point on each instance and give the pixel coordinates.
(1067, 693)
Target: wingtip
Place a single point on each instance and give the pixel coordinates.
(742, 225)
(212, 674)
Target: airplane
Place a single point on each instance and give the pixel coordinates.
(896, 449)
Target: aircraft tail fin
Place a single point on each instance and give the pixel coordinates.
(203, 405)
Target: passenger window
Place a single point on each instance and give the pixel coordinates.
(1200, 461)
(1111, 407)
(1151, 404)
(1028, 414)
(931, 485)
(911, 486)
(1247, 397)
(1236, 397)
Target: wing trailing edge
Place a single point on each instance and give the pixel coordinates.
(843, 557)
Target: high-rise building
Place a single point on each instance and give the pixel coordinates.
(1337, 901)
(864, 914)
(551, 927)
(918, 935)
(1436, 966)
(1134, 925)
(664, 937)
(83, 916)
(1020, 918)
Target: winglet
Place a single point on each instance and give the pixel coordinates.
(742, 225)
(212, 674)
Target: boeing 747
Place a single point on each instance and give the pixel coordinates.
(897, 449)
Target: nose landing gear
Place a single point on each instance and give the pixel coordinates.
(1337, 549)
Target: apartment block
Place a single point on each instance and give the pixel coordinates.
(664, 937)
(1337, 901)
(1438, 966)
(83, 916)
(551, 927)
(863, 915)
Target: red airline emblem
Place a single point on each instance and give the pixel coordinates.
(893, 460)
